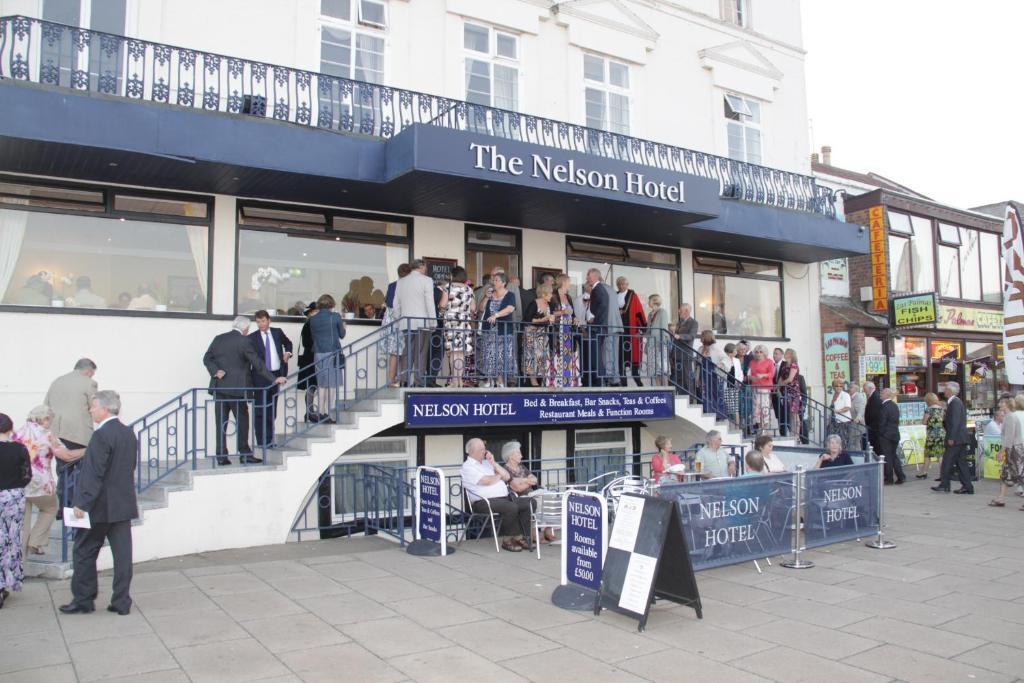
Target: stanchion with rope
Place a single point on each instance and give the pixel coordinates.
(798, 562)
(880, 543)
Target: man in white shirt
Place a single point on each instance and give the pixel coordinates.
(274, 349)
(714, 461)
(486, 485)
(85, 297)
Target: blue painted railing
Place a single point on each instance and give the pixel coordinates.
(79, 59)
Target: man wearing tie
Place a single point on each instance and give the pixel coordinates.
(608, 325)
(105, 490)
(274, 349)
(955, 423)
(777, 403)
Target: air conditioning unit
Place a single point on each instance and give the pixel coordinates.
(867, 294)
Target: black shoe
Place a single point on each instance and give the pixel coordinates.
(74, 608)
(969, 493)
(223, 460)
(920, 476)
(941, 489)
(938, 479)
(122, 612)
(900, 481)
(249, 460)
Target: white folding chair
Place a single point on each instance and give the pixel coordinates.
(547, 513)
(482, 516)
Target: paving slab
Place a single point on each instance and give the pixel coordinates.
(603, 641)
(913, 666)
(389, 588)
(793, 666)
(154, 582)
(293, 632)
(246, 606)
(183, 629)
(323, 664)
(122, 656)
(34, 650)
(568, 666)
(346, 608)
(437, 666)
(232, 660)
(672, 669)
(22, 618)
(809, 611)
(814, 640)
(81, 628)
(437, 611)
(172, 602)
(495, 638)
(926, 639)
(996, 657)
(394, 636)
(60, 673)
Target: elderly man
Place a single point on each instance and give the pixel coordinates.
(105, 490)
(486, 484)
(634, 322)
(954, 421)
(872, 413)
(605, 329)
(681, 356)
(858, 403)
(68, 397)
(889, 437)
(232, 362)
(414, 299)
(713, 461)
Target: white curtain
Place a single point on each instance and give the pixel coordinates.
(12, 234)
(198, 242)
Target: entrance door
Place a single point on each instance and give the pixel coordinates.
(490, 247)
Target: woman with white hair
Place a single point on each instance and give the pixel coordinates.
(656, 336)
(836, 455)
(43, 446)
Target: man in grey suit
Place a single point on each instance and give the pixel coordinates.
(68, 397)
(414, 299)
(608, 324)
(232, 362)
(105, 490)
(955, 423)
(682, 349)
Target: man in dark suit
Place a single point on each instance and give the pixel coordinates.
(231, 361)
(105, 490)
(607, 324)
(955, 423)
(682, 357)
(274, 349)
(872, 413)
(781, 414)
(889, 437)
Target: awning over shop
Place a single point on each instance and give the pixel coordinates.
(423, 171)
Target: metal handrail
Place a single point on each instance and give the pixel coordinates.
(87, 60)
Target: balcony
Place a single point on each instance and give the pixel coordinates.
(67, 57)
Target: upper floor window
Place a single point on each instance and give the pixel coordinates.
(352, 40)
(492, 66)
(736, 12)
(911, 265)
(969, 264)
(738, 296)
(743, 127)
(607, 94)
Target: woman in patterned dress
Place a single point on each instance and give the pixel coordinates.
(1011, 472)
(537, 336)
(656, 336)
(935, 434)
(15, 474)
(565, 371)
(499, 337)
(458, 324)
(791, 392)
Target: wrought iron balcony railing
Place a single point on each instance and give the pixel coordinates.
(69, 57)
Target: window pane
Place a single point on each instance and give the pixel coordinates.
(949, 272)
(166, 207)
(647, 281)
(970, 275)
(618, 113)
(369, 58)
(107, 16)
(651, 256)
(487, 238)
(93, 262)
(336, 52)
(63, 11)
(737, 147)
(41, 195)
(618, 74)
(899, 222)
(506, 87)
(506, 45)
(991, 268)
(593, 68)
(601, 251)
(949, 233)
(755, 268)
(595, 108)
(354, 273)
(753, 145)
(924, 255)
(369, 227)
(755, 110)
(372, 12)
(899, 264)
(258, 215)
(714, 263)
(339, 9)
(476, 38)
(738, 306)
(478, 82)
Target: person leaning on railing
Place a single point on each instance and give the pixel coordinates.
(486, 484)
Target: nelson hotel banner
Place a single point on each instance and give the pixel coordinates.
(1013, 295)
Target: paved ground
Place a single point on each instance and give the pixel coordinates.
(947, 604)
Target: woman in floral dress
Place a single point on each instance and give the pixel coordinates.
(458, 325)
(15, 474)
(565, 371)
(537, 337)
(792, 400)
(935, 434)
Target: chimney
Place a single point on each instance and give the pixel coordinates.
(814, 157)
(826, 155)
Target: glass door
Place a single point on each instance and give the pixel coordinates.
(487, 248)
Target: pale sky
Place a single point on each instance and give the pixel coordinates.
(929, 93)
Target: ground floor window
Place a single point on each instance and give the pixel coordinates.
(102, 262)
(600, 451)
(738, 297)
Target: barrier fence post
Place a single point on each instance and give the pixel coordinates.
(798, 562)
(880, 543)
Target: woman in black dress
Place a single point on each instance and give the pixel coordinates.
(307, 369)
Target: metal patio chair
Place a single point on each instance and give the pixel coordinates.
(482, 518)
(547, 513)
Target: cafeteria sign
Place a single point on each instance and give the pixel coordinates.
(914, 311)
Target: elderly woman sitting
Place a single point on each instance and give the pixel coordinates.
(523, 482)
(41, 492)
(835, 456)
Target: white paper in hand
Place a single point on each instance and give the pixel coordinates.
(74, 522)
